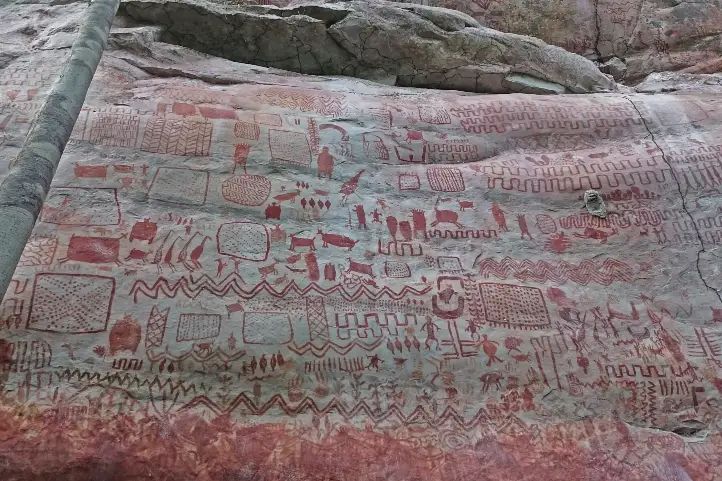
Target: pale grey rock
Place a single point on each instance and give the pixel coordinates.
(595, 204)
(530, 85)
(662, 82)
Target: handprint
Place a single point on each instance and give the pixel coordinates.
(321, 389)
(295, 394)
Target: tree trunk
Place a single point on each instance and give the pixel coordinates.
(23, 191)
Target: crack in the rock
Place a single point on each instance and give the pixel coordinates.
(683, 197)
(598, 32)
(171, 72)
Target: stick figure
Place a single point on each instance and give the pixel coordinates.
(430, 329)
(374, 361)
(221, 265)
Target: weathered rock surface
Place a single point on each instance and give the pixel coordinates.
(651, 35)
(398, 44)
(680, 82)
(249, 273)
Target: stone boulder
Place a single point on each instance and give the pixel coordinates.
(393, 43)
(665, 82)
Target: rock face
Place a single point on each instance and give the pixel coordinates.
(248, 273)
(398, 44)
(650, 35)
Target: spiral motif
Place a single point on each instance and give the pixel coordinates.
(454, 440)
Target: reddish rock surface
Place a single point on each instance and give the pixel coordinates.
(249, 274)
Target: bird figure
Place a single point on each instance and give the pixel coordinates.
(489, 348)
(196, 254)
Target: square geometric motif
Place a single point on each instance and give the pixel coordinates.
(445, 179)
(39, 251)
(288, 146)
(245, 240)
(512, 306)
(177, 137)
(81, 206)
(180, 186)
(452, 264)
(397, 270)
(194, 327)
(274, 120)
(409, 181)
(71, 303)
(267, 328)
(115, 130)
(434, 115)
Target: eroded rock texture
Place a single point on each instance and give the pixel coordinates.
(247, 273)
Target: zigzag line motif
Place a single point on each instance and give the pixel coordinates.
(684, 225)
(491, 124)
(644, 370)
(191, 288)
(560, 272)
(651, 403)
(567, 170)
(569, 183)
(606, 383)
(695, 154)
(306, 100)
(622, 219)
(217, 354)
(563, 178)
(695, 150)
(418, 415)
(702, 177)
(125, 380)
(322, 350)
(518, 108)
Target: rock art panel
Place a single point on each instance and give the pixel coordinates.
(242, 272)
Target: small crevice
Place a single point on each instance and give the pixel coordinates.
(687, 431)
(598, 32)
(168, 72)
(328, 16)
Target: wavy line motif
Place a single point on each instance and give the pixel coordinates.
(623, 219)
(489, 125)
(191, 288)
(560, 272)
(215, 355)
(322, 350)
(124, 380)
(308, 405)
